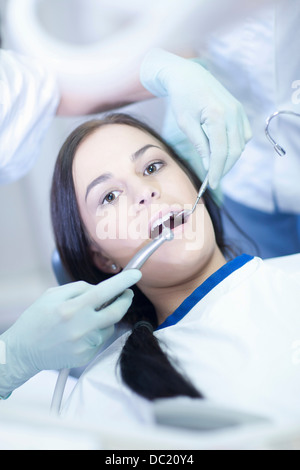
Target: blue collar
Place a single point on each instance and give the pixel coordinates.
(204, 289)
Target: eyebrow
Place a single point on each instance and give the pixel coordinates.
(95, 182)
(106, 176)
(141, 151)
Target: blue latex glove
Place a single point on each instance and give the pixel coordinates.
(63, 329)
(212, 119)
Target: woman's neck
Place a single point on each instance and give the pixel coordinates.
(167, 299)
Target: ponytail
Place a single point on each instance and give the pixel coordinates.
(147, 370)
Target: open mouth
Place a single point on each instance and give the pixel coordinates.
(170, 220)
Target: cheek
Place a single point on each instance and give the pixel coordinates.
(118, 239)
(120, 236)
(180, 180)
(199, 229)
(120, 251)
(108, 229)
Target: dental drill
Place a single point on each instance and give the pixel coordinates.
(135, 263)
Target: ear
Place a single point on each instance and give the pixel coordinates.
(105, 264)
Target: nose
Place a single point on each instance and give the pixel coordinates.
(147, 196)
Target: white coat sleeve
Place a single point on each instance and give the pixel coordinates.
(29, 98)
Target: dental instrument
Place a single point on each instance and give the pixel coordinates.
(144, 254)
(182, 215)
(281, 152)
(135, 263)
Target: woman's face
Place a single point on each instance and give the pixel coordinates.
(126, 183)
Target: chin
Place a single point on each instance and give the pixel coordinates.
(175, 263)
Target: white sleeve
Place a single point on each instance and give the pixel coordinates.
(29, 98)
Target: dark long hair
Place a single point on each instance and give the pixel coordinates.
(144, 366)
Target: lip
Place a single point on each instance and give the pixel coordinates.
(174, 209)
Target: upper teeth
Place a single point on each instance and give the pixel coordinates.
(161, 220)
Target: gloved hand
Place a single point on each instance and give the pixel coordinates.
(205, 111)
(63, 328)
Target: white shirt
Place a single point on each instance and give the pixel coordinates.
(258, 61)
(28, 102)
(237, 337)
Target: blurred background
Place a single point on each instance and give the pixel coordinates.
(26, 242)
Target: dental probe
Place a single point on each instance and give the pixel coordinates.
(135, 263)
(185, 213)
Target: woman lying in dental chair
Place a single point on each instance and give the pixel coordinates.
(223, 331)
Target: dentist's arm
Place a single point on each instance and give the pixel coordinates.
(63, 329)
(173, 25)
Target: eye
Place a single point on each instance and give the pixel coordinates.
(111, 197)
(153, 167)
